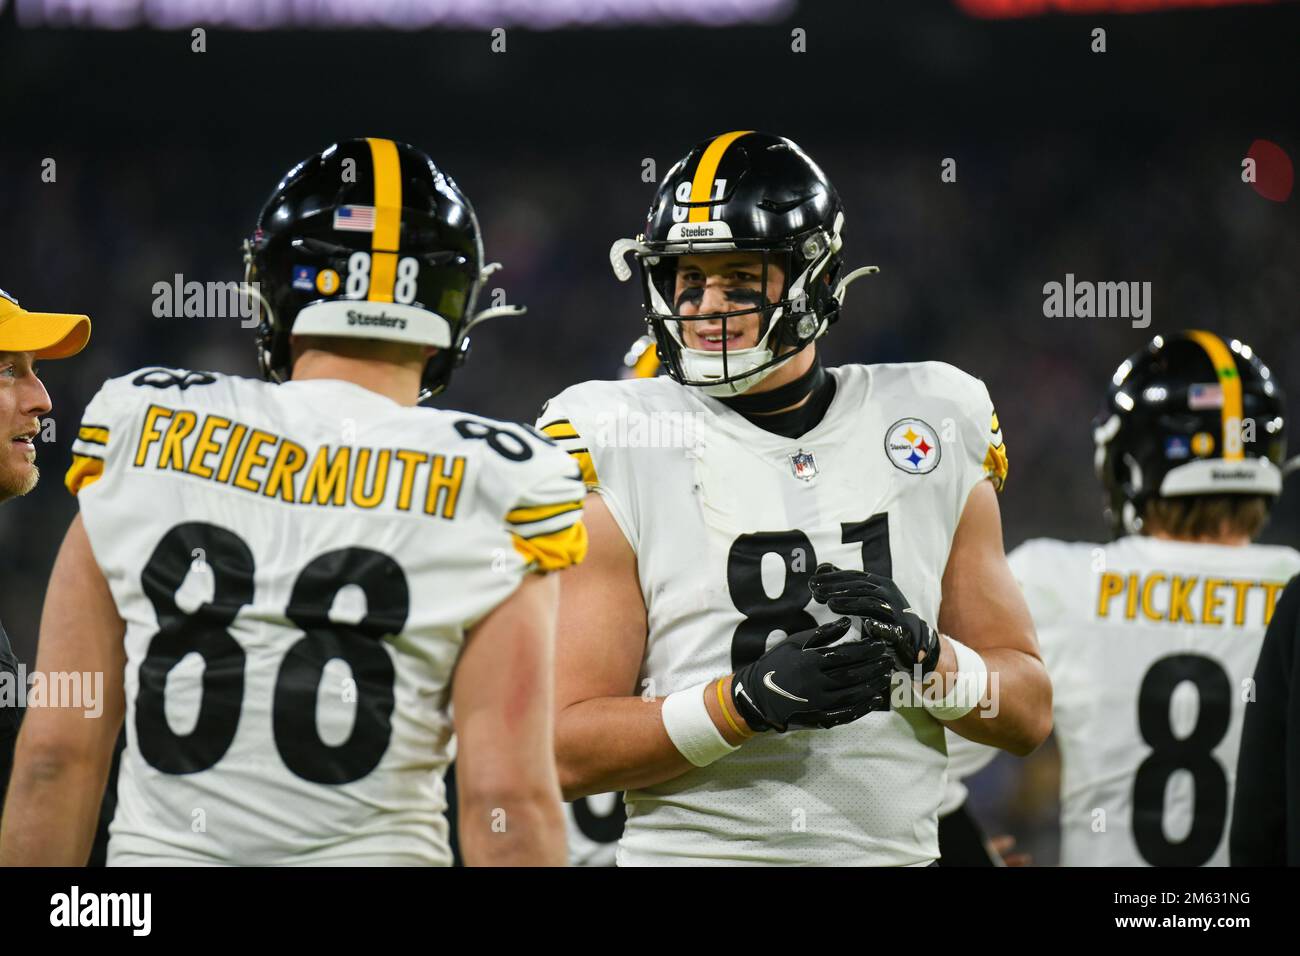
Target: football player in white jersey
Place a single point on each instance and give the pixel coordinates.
(289, 584)
(703, 664)
(1151, 640)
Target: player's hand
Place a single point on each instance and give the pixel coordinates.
(1003, 845)
(804, 682)
(883, 610)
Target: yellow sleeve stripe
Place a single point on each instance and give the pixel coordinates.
(647, 366)
(560, 429)
(94, 434)
(541, 512)
(85, 470)
(554, 551)
(588, 467)
(996, 465)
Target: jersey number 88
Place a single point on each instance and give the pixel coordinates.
(205, 631)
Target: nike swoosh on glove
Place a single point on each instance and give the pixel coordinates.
(804, 682)
(883, 610)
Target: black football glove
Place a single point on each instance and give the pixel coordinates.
(883, 610)
(803, 682)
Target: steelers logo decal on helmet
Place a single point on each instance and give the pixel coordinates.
(913, 446)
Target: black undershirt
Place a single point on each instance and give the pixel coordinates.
(795, 422)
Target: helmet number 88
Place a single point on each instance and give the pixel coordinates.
(358, 281)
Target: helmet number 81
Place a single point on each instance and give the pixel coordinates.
(683, 195)
(358, 282)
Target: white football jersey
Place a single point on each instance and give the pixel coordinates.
(298, 566)
(594, 824)
(728, 522)
(1151, 646)
(965, 759)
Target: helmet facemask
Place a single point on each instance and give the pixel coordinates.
(742, 192)
(808, 303)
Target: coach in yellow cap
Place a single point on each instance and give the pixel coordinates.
(25, 338)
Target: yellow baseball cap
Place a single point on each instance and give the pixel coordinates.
(50, 335)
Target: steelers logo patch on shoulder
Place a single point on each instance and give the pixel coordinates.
(913, 446)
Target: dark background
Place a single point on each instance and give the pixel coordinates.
(1115, 166)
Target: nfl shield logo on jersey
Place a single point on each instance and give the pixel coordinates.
(804, 465)
(913, 446)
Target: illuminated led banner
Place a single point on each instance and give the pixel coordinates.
(1008, 9)
(392, 14)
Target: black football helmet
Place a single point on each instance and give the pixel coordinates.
(368, 239)
(1188, 415)
(758, 193)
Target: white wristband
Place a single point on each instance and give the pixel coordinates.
(970, 682)
(691, 729)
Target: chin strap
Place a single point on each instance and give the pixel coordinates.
(496, 311)
(842, 287)
(618, 254)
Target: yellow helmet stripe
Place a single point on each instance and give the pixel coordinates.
(702, 184)
(1230, 382)
(384, 241)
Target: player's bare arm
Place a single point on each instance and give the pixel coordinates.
(607, 736)
(63, 755)
(509, 798)
(984, 608)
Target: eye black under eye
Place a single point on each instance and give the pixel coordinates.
(694, 295)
